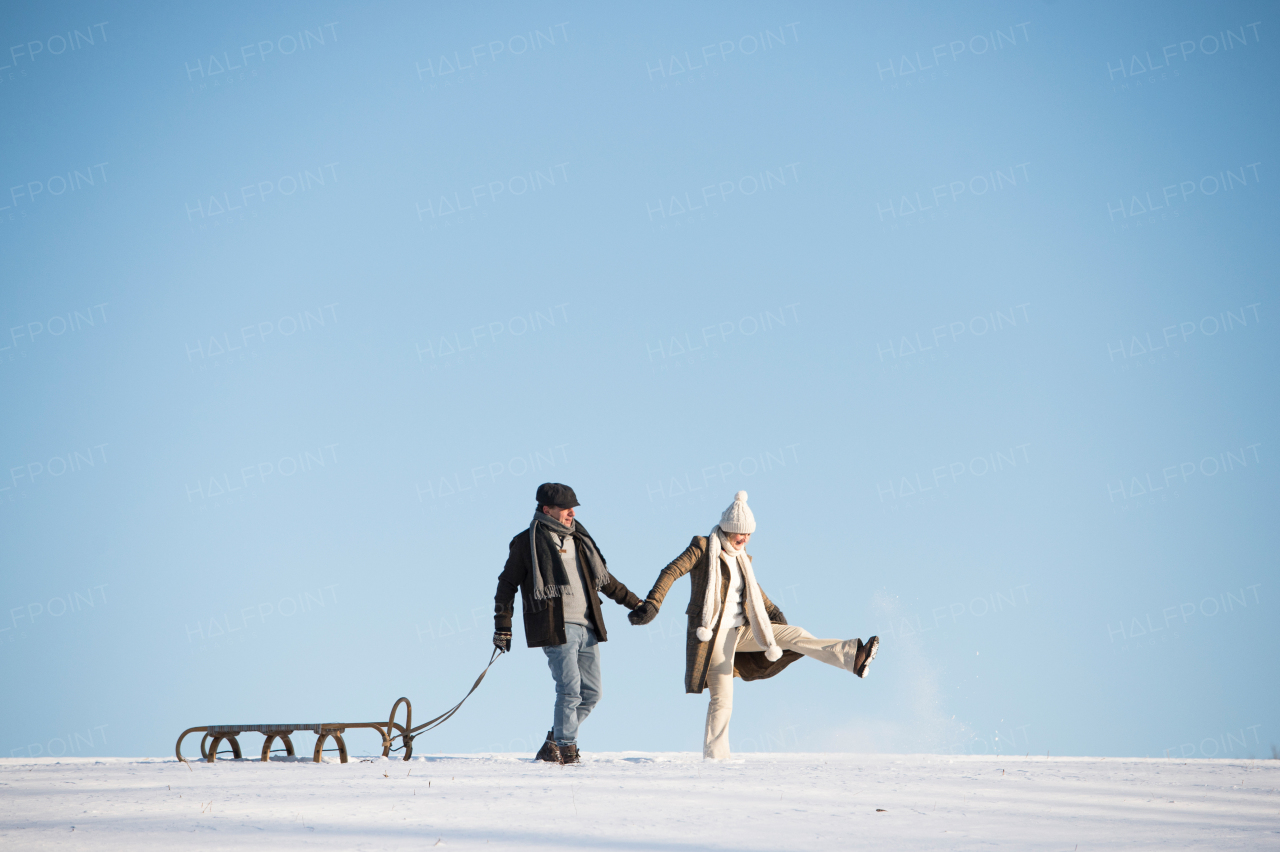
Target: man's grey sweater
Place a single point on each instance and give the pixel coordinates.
(575, 604)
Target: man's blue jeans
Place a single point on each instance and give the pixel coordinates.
(575, 666)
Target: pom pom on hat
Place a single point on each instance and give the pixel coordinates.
(704, 635)
(773, 654)
(738, 518)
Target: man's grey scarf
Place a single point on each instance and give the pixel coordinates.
(547, 575)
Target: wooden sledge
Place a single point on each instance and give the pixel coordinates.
(390, 730)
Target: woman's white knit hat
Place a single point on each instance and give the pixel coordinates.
(738, 518)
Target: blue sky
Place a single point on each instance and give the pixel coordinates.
(301, 305)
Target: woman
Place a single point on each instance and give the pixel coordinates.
(717, 645)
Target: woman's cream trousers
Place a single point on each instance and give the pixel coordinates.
(729, 640)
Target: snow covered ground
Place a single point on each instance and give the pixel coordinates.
(634, 800)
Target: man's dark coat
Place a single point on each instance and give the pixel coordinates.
(546, 626)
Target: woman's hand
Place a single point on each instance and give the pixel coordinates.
(643, 614)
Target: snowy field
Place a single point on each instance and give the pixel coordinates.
(627, 801)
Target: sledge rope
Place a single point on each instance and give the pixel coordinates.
(408, 736)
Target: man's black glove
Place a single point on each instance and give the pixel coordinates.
(778, 617)
(502, 641)
(643, 614)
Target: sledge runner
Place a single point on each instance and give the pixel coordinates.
(734, 629)
(559, 570)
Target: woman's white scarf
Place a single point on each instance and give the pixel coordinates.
(752, 600)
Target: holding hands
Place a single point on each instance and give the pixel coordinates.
(643, 614)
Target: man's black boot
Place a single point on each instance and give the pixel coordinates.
(569, 754)
(550, 752)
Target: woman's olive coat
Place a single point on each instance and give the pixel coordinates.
(748, 666)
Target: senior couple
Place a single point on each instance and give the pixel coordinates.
(734, 629)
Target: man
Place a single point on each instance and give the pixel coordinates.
(559, 570)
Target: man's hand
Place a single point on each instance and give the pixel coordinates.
(643, 614)
(502, 641)
(778, 617)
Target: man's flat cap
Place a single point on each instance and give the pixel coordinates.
(555, 494)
